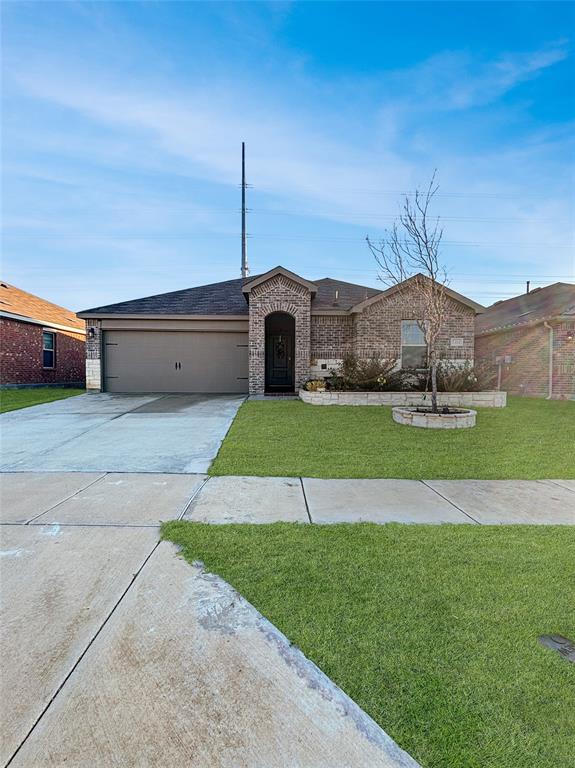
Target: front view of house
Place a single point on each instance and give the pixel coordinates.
(264, 334)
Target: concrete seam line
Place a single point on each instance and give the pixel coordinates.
(84, 652)
(71, 496)
(92, 525)
(192, 498)
(463, 512)
(557, 484)
(305, 500)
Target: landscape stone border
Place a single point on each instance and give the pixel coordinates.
(411, 417)
(486, 399)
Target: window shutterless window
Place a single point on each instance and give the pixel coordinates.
(413, 346)
(48, 349)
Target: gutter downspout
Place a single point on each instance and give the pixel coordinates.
(550, 379)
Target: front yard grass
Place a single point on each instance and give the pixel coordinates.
(13, 399)
(529, 439)
(431, 629)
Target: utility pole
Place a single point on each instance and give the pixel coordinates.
(528, 286)
(245, 268)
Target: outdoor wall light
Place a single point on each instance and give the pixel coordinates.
(91, 332)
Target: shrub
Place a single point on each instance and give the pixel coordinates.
(462, 378)
(369, 375)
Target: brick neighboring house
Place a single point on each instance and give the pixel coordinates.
(41, 344)
(264, 334)
(530, 341)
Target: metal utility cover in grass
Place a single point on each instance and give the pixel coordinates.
(562, 645)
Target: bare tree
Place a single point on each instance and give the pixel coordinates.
(410, 251)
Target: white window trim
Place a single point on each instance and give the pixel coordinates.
(421, 324)
(53, 351)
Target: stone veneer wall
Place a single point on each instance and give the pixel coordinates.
(94, 356)
(486, 399)
(278, 294)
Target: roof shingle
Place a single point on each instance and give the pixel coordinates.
(226, 298)
(540, 304)
(19, 302)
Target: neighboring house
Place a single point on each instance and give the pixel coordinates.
(530, 340)
(42, 344)
(268, 333)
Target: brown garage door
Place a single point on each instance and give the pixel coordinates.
(175, 361)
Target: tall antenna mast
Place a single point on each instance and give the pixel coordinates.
(245, 268)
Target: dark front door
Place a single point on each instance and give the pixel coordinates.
(280, 347)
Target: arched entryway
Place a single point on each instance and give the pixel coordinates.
(280, 353)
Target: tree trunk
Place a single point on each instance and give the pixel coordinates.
(433, 364)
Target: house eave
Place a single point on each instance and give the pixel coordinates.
(155, 316)
(44, 323)
(529, 324)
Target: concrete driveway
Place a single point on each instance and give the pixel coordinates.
(117, 433)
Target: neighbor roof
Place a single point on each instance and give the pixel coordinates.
(538, 305)
(14, 301)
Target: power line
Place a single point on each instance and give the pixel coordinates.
(264, 236)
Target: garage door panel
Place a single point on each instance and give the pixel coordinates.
(175, 361)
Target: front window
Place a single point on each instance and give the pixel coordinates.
(48, 349)
(413, 346)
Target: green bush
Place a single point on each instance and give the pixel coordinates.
(365, 374)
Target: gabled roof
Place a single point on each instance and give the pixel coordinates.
(395, 288)
(230, 298)
(28, 307)
(540, 304)
(348, 294)
(252, 282)
(224, 298)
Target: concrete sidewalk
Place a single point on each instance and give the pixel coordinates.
(306, 500)
(147, 499)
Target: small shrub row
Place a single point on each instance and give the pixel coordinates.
(374, 374)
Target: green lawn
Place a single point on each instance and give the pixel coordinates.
(431, 629)
(529, 439)
(12, 399)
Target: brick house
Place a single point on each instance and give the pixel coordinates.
(42, 344)
(264, 334)
(530, 341)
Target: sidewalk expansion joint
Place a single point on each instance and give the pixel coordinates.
(463, 512)
(71, 496)
(192, 498)
(305, 500)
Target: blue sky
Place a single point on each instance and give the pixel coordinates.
(123, 122)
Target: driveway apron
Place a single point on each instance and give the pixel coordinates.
(118, 433)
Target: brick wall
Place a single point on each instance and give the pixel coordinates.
(331, 336)
(528, 371)
(21, 355)
(279, 294)
(378, 327)
(564, 359)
